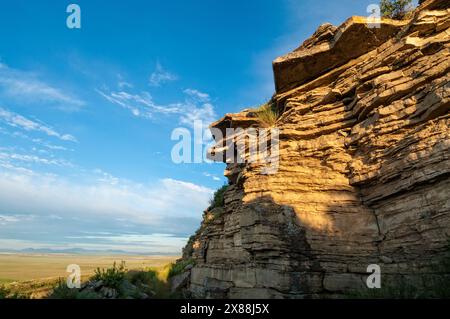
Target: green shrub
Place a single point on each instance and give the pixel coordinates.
(178, 268)
(147, 277)
(7, 293)
(189, 249)
(128, 284)
(111, 277)
(153, 282)
(267, 114)
(61, 291)
(218, 198)
(395, 9)
(217, 212)
(3, 292)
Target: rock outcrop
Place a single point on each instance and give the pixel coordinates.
(363, 174)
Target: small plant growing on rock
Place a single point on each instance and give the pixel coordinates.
(189, 249)
(267, 114)
(395, 9)
(218, 198)
(178, 268)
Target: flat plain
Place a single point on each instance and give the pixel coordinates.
(25, 267)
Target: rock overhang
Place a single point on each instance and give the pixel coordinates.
(355, 37)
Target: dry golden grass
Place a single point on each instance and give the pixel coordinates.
(25, 267)
(35, 275)
(267, 114)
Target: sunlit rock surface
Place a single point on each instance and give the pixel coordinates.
(363, 175)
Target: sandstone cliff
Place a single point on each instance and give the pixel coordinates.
(363, 176)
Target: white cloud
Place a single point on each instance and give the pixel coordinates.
(140, 105)
(138, 217)
(166, 243)
(10, 219)
(19, 121)
(160, 76)
(195, 107)
(105, 177)
(124, 84)
(14, 168)
(203, 97)
(26, 87)
(146, 204)
(14, 158)
(139, 244)
(4, 219)
(204, 113)
(38, 141)
(121, 84)
(214, 177)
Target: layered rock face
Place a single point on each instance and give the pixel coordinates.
(363, 175)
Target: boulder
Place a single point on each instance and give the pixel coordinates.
(180, 281)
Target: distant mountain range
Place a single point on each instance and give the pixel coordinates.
(81, 251)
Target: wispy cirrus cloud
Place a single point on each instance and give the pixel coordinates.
(204, 113)
(39, 141)
(214, 177)
(141, 105)
(160, 76)
(10, 158)
(196, 105)
(122, 83)
(18, 121)
(204, 97)
(28, 88)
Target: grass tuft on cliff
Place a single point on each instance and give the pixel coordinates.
(267, 114)
(179, 267)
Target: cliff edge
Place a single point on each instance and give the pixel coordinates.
(363, 175)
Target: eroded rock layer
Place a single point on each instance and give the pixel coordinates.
(363, 175)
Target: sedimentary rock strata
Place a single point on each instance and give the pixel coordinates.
(363, 175)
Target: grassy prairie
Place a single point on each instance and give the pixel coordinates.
(25, 267)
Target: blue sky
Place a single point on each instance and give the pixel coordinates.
(86, 115)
